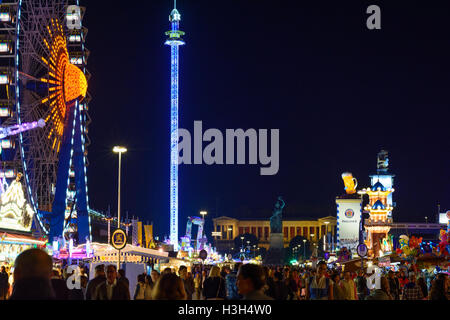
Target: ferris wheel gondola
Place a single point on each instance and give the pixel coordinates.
(44, 62)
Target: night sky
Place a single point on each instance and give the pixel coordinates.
(337, 91)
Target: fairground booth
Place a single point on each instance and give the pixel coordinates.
(16, 217)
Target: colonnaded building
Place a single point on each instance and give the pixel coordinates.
(312, 229)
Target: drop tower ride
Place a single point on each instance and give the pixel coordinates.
(174, 41)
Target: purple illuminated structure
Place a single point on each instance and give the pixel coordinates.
(18, 128)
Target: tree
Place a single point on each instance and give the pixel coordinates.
(247, 244)
(302, 248)
(238, 242)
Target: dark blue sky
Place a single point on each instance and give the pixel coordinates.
(337, 91)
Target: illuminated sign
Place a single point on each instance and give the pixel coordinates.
(348, 219)
(362, 250)
(119, 239)
(15, 212)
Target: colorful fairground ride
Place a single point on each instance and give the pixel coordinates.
(425, 254)
(44, 101)
(190, 249)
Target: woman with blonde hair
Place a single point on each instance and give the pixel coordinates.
(214, 285)
(169, 287)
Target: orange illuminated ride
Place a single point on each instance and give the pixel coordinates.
(66, 82)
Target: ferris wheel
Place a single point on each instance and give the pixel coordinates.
(43, 75)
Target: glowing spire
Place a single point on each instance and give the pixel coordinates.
(174, 41)
(174, 15)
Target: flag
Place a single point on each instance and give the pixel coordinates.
(148, 229)
(139, 233)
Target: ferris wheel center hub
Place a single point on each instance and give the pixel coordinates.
(75, 84)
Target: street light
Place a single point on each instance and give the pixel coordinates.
(119, 150)
(203, 214)
(326, 235)
(426, 219)
(304, 249)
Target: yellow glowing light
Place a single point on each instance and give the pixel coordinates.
(349, 182)
(75, 84)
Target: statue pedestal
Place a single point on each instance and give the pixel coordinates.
(275, 255)
(276, 241)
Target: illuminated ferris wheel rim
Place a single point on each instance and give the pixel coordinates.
(19, 62)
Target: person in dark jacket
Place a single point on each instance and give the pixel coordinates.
(280, 290)
(32, 272)
(270, 283)
(361, 285)
(214, 285)
(423, 286)
(4, 284)
(59, 286)
(439, 288)
(121, 277)
(78, 293)
(112, 288)
(394, 286)
(187, 282)
(92, 285)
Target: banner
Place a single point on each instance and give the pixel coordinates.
(148, 229)
(348, 223)
(139, 233)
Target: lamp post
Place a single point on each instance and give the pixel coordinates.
(326, 235)
(203, 213)
(242, 243)
(426, 219)
(127, 225)
(304, 249)
(119, 150)
(109, 219)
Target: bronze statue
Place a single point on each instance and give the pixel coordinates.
(276, 218)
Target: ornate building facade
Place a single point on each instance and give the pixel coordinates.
(231, 228)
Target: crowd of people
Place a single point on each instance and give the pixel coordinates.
(34, 278)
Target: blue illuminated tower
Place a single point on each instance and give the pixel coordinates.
(174, 41)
